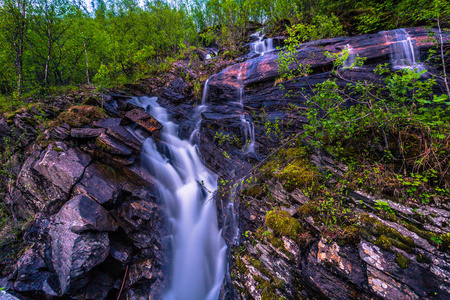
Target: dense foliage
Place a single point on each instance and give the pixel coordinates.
(61, 42)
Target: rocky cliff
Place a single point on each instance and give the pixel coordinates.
(96, 230)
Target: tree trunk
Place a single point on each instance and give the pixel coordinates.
(19, 50)
(87, 61)
(49, 50)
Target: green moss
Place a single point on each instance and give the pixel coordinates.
(80, 115)
(386, 236)
(401, 260)
(260, 267)
(445, 241)
(57, 149)
(308, 209)
(254, 191)
(241, 265)
(283, 224)
(351, 235)
(297, 174)
(383, 242)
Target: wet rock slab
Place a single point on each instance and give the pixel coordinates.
(143, 119)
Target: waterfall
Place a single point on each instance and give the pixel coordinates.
(248, 126)
(186, 188)
(351, 57)
(249, 134)
(195, 135)
(402, 50)
(205, 92)
(261, 45)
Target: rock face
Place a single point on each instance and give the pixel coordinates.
(97, 218)
(93, 222)
(79, 240)
(47, 178)
(264, 267)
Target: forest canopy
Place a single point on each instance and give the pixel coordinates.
(47, 43)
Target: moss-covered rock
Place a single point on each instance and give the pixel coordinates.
(283, 224)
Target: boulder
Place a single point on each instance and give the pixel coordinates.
(79, 241)
(47, 177)
(5, 296)
(140, 271)
(99, 286)
(33, 275)
(62, 166)
(99, 183)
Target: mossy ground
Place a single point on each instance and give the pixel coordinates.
(80, 115)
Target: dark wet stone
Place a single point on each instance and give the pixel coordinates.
(86, 133)
(113, 146)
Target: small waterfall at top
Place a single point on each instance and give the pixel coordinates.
(248, 126)
(186, 187)
(261, 46)
(195, 135)
(351, 57)
(402, 50)
(240, 89)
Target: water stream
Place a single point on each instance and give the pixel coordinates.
(261, 45)
(186, 188)
(402, 50)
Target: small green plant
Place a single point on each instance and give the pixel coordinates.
(384, 206)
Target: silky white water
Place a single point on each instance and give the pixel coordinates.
(402, 50)
(261, 46)
(186, 187)
(348, 63)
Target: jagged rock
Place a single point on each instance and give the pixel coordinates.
(140, 271)
(62, 166)
(113, 146)
(139, 175)
(143, 119)
(47, 177)
(391, 281)
(61, 132)
(123, 135)
(33, 275)
(79, 241)
(5, 130)
(120, 252)
(134, 213)
(106, 123)
(86, 133)
(387, 287)
(99, 183)
(99, 286)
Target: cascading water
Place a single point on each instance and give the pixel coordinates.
(248, 126)
(195, 135)
(402, 50)
(351, 57)
(261, 45)
(249, 134)
(186, 187)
